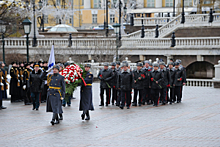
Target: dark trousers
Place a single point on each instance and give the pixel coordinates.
(118, 97)
(177, 93)
(155, 95)
(181, 92)
(163, 95)
(125, 97)
(35, 98)
(114, 95)
(26, 96)
(108, 94)
(172, 90)
(136, 92)
(147, 95)
(44, 94)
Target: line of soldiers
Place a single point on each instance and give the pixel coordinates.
(152, 82)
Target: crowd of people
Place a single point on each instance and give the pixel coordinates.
(153, 83)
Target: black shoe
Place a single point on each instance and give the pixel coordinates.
(134, 104)
(117, 105)
(3, 107)
(87, 118)
(170, 103)
(163, 103)
(178, 101)
(83, 116)
(36, 109)
(112, 103)
(69, 105)
(121, 107)
(52, 122)
(128, 107)
(139, 104)
(61, 118)
(148, 103)
(101, 105)
(106, 105)
(33, 108)
(156, 105)
(143, 103)
(28, 104)
(64, 105)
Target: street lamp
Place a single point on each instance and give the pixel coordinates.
(120, 4)
(116, 30)
(3, 30)
(183, 15)
(34, 38)
(27, 29)
(40, 3)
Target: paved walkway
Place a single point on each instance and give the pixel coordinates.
(194, 122)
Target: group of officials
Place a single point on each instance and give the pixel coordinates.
(152, 83)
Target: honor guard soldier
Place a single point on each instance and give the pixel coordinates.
(21, 71)
(178, 81)
(86, 103)
(44, 92)
(184, 77)
(156, 78)
(125, 82)
(14, 90)
(105, 76)
(2, 84)
(4, 80)
(55, 94)
(26, 90)
(36, 85)
(172, 77)
(114, 82)
(165, 84)
(138, 76)
(147, 90)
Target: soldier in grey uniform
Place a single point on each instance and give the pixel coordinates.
(55, 94)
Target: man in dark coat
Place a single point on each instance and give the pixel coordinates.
(118, 91)
(86, 103)
(105, 76)
(165, 84)
(125, 82)
(36, 86)
(26, 89)
(156, 78)
(178, 81)
(55, 94)
(4, 80)
(172, 71)
(138, 76)
(14, 90)
(147, 90)
(184, 77)
(114, 82)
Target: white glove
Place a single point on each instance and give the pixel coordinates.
(2, 78)
(24, 87)
(18, 75)
(19, 81)
(2, 84)
(21, 75)
(49, 70)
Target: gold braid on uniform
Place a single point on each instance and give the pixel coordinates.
(18, 84)
(49, 79)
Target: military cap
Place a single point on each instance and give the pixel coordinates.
(56, 66)
(118, 62)
(162, 63)
(146, 61)
(170, 63)
(113, 64)
(87, 65)
(1, 62)
(12, 63)
(27, 64)
(60, 64)
(105, 64)
(139, 64)
(66, 64)
(178, 60)
(125, 64)
(150, 64)
(177, 63)
(36, 65)
(156, 64)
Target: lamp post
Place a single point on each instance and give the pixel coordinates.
(106, 23)
(34, 38)
(119, 20)
(173, 8)
(3, 30)
(40, 3)
(116, 30)
(183, 15)
(142, 27)
(27, 29)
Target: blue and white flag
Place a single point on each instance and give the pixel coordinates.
(51, 61)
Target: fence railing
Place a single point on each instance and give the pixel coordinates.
(199, 82)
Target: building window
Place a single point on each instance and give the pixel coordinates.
(57, 20)
(188, 3)
(94, 18)
(150, 3)
(112, 18)
(169, 3)
(58, 2)
(95, 3)
(45, 19)
(70, 19)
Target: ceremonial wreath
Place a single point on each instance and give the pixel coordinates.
(73, 76)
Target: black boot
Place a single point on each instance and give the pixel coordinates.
(61, 116)
(53, 118)
(87, 115)
(83, 114)
(57, 120)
